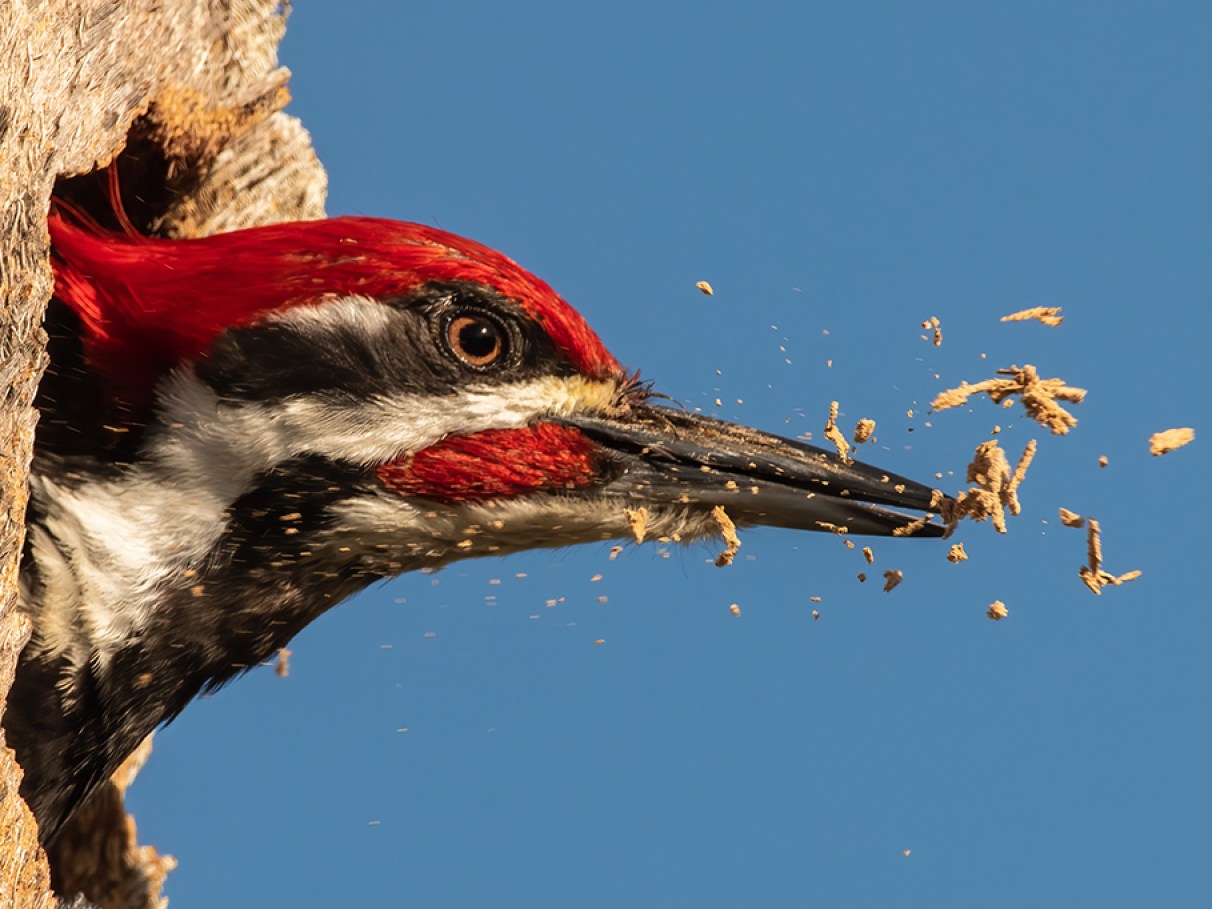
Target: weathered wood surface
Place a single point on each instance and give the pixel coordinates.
(198, 80)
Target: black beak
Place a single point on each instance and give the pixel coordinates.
(667, 456)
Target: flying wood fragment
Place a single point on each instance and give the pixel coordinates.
(863, 431)
(637, 518)
(956, 554)
(705, 287)
(892, 578)
(1039, 396)
(997, 610)
(1092, 573)
(1161, 443)
(933, 324)
(1071, 518)
(734, 609)
(282, 669)
(996, 489)
(1049, 315)
(728, 531)
(834, 435)
(868, 554)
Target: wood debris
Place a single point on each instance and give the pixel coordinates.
(1071, 518)
(863, 431)
(728, 531)
(1102, 461)
(996, 489)
(1164, 442)
(956, 554)
(1092, 573)
(834, 435)
(637, 519)
(735, 609)
(913, 526)
(1039, 396)
(868, 554)
(1049, 315)
(892, 578)
(282, 668)
(997, 610)
(704, 287)
(933, 323)
(816, 614)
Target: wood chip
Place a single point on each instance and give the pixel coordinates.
(704, 287)
(956, 554)
(728, 531)
(863, 430)
(834, 435)
(933, 324)
(1071, 518)
(996, 489)
(1102, 461)
(892, 578)
(1049, 315)
(282, 669)
(1092, 573)
(1039, 396)
(868, 554)
(1164, 442)
(997, 610)
(734, 609)
(637, 519)
(816, 615)
(913, 526)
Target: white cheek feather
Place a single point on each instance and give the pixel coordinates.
(360, 432)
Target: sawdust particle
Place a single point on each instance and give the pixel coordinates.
(735, 609)
(1071, 518)
(637, 519)
(282, 668)
(892, 577)
(868, 554)
(705, 287)
(1164, 442)
(1039, 396)
(997, 610)
(1092, 573)
(834, 435)
(1048, 315)
(956, 554)
(732, 542)
(863, 431)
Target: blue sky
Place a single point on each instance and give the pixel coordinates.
(838, 172)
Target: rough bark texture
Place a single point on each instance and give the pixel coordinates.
(184, 95)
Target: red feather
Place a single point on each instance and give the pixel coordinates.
(147, 304)
(496, 463)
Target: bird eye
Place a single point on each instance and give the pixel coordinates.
(476, 340)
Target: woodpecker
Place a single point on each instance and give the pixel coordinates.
(239, 431)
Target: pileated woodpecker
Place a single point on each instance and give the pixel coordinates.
(238, 432)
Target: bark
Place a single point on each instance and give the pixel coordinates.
(184, 97)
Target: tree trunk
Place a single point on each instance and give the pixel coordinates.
(184, 98)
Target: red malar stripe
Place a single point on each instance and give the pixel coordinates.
(495, 464)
